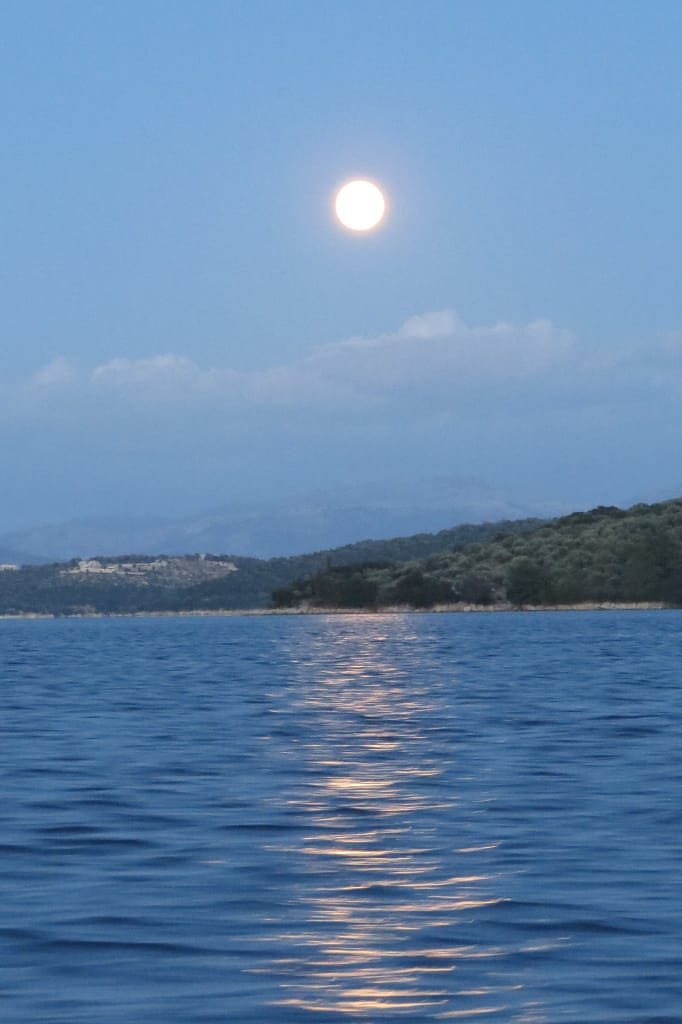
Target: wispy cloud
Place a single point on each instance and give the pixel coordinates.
(429, 358)
(55, 376)
(165, 372)
(524, 401)
(433, 369)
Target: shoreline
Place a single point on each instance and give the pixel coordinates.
(439, 609)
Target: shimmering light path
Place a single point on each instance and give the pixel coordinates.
(376, 807)
(364, 819)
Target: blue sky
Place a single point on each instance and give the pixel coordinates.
(183, 322)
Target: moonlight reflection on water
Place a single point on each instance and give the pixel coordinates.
(382, 919)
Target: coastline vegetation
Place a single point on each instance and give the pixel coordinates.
(132, 584)
(606, 556)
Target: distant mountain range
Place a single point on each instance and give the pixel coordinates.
(10, 556)
(310, 522)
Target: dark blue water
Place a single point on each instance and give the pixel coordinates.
(380, 818)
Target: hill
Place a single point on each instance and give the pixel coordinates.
(10, 556)
(604, 555)
(146, 583)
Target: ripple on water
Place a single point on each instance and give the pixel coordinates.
(362, 818)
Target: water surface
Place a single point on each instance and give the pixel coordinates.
(346, 818)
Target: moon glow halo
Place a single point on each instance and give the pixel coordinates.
(360, 205)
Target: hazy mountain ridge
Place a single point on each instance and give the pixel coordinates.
(310, 522)
(10, 556)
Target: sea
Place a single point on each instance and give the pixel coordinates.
(357, 818)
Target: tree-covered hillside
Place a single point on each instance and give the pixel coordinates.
(141, 583)
(604, 555)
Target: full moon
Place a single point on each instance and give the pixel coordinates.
(360, 205)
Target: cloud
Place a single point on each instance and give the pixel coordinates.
(431, 355)
(437, 352)
(433, 364)
(521, 402)
(58, 374)
(168, 376)
(431, 325)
